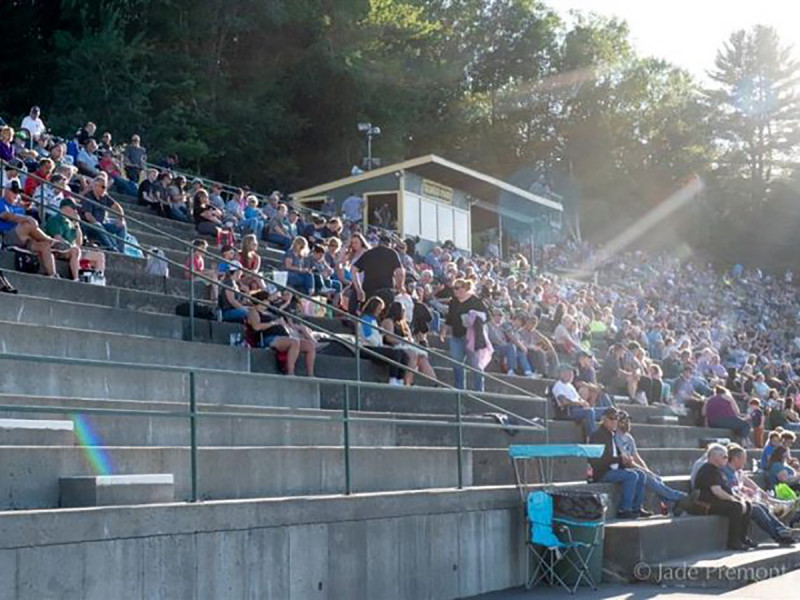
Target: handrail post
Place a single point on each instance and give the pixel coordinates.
(346, 428)
(358, 367)
(460, 441)
(42, 214)
(193, 432)
(546, 421)
(191, 297)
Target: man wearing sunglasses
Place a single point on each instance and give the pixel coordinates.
(97, 227)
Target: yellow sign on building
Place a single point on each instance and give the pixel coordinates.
(436, 191)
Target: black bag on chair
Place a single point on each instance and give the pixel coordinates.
(579, 506)
(25, 262)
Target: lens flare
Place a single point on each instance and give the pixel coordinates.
(89, 440)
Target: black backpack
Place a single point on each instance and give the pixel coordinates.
(24, 262)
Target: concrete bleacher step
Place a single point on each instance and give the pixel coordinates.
(723, 569)
(242, 431)
(663, 540)
(110, 295)
(52, 431)
(29, 475)
(112, 490)
(31, 310)
(114, 381)
(18, 338)
(298, 428)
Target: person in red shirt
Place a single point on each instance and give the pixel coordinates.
(46, 167)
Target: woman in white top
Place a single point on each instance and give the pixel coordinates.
(372, 338)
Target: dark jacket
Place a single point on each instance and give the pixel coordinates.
(601, 466)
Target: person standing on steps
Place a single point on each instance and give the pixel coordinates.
(465, 305)
(382, 270)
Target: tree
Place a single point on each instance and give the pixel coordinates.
(756, 110)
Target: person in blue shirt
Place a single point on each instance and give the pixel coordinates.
(773, 442)
(778, 471)
(22, 231)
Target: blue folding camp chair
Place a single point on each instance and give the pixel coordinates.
(551, 546)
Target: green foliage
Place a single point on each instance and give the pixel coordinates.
(269, 93)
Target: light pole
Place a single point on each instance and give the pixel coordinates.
(370, 131)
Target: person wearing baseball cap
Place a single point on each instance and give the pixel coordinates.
(676, 500)
(22, 231)
(67, 236)
(614, 466)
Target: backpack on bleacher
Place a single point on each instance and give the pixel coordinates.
(157, 263)
(24, 262)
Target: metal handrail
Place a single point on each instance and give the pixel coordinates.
(194, 415)
(355, 319)
(359, 348)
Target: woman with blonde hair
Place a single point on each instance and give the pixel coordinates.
(295, 261)
(6, 143)
(251, 261)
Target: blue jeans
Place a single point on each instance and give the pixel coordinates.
(771, 525)
(235, 315)
(179, 213)
(587, 416)
(102, 237)
(514, 358)
(282, 241)
(633, 483)
(302, 282)
(126, 186)
(320, 282)
(739, 426)
(661, 489)
(254, 226)
(458, 352)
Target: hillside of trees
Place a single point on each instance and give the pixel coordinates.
(268, 92)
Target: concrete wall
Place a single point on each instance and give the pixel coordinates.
(408, 545)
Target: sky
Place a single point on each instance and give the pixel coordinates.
(689, 32)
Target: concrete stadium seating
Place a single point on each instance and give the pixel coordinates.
(406, 445)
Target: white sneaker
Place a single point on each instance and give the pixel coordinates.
(510, 372)
(395, 381)
(528, 373)
(641, 398)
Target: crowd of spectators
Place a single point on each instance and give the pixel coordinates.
(719, 347)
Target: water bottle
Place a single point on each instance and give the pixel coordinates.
(755, 465)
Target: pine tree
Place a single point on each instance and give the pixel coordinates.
(757, 111)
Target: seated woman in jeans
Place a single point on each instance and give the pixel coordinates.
(372, 339)
(234, 305)
(720, 410)
(295, 261)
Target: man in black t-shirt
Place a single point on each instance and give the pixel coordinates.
(714, 490)
(147, 192)
(383, 273)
